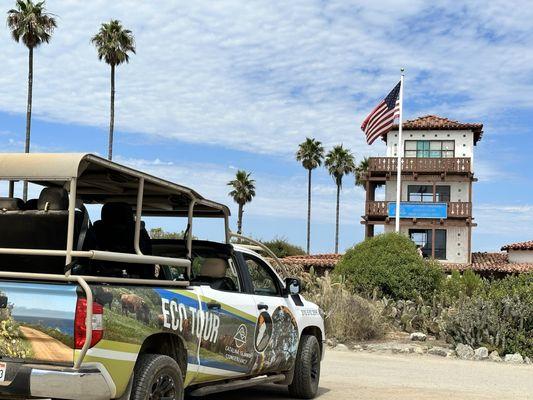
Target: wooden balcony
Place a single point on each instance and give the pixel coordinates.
(381, 166)
(380, 210)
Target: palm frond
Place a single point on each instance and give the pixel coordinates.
(113, 43)
(243, 188)
(30, 23)
(339, 162)
(310, 153)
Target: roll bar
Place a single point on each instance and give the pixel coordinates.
(65, 170)
(256, 244)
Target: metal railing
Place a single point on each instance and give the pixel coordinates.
(456, 165)
(455, 209)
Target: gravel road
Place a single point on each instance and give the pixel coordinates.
(372, 376)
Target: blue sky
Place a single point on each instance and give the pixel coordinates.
(217, 86)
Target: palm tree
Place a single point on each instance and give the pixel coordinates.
(310, 153)
(30, 23)
(113, 44)
(360, 173)
(243, 192)
(339, 162)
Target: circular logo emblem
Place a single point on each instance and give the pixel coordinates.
(263, 331)
(240, 336)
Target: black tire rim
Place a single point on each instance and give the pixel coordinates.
(163, 388)
(315, 366)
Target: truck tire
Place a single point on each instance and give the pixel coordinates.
(307, 369)
(156, 376)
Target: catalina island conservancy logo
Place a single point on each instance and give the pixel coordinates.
(241, 336)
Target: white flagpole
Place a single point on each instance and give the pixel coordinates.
(399, 162)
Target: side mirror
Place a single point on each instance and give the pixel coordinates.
(293, 286)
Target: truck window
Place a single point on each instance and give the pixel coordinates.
(219, 273)
(263, 280)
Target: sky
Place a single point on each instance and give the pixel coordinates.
(227, 85)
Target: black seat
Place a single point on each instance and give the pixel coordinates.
(31, 204)
(44, 228)
(115, 232)
(11, 204)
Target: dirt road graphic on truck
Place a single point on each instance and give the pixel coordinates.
(46, 347)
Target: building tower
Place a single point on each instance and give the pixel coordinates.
(437, 177)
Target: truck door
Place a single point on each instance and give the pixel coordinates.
(276, 333)
(230, 316)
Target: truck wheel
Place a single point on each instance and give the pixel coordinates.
(307, 369)
(157, 377)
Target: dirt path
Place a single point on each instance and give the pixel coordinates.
(371, 376)
(46, 347)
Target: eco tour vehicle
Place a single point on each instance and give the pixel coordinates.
(99, 310)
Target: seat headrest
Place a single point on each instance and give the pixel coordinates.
(214, 268)
(117, 213)
(53, 199)
(11, 204)
(31, 204)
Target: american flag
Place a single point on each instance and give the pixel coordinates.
(380, 120)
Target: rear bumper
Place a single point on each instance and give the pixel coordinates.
(88, 383)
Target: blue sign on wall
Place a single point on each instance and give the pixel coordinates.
(420, 210)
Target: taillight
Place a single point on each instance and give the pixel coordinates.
(80, 329)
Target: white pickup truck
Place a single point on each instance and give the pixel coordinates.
(99, 310)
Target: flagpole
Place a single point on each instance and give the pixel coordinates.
(399, 162)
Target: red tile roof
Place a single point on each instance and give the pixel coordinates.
(434, 122)
(481, 262)
(519, 246)
(327, 261)
(491, 262)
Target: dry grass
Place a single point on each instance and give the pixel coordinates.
(348, 316)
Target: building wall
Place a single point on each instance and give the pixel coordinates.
(458, 190)
(464, 141)
(456, 237)
(520, 256)
(456, 241)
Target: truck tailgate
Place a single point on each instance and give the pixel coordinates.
(37, 322)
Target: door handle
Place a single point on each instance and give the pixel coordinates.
(262, 306)
(213, 306)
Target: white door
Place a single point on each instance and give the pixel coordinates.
(276, 335)
(230, 317)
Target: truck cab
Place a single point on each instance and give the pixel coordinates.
(100, 310)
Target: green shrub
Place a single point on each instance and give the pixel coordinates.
(498, 315)
(459, 285)
(282, 248)
(391, 264)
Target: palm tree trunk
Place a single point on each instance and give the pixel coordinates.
(112, 115)
(337, 220)
(309, 212)
(239, 220)
(28, 115)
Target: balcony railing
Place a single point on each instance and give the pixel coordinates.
(420, 165)
(380, 209)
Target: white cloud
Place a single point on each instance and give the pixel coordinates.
(259, 76)
(276, 197)
(505, 219)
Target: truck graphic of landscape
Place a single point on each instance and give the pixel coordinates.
(38, 327)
